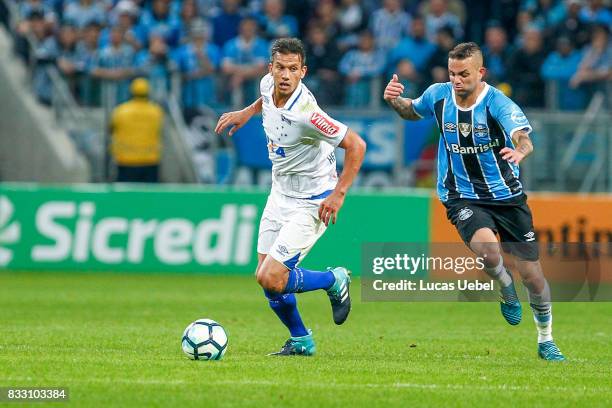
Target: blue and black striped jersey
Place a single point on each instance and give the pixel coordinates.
(469, 163)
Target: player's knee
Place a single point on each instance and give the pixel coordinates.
(532, 276)
(489, 251)
(269, 282)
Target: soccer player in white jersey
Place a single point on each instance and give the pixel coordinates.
(306, 192)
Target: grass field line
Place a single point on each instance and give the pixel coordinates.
(398, 385)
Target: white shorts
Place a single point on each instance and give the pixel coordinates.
(289, 228)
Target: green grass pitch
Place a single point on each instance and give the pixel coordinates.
(114, 340)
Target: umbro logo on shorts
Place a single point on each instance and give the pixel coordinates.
(530, 236)
(282, 250)
(465, 213)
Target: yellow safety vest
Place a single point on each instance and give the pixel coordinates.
(137, 129)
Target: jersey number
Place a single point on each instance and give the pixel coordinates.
(280, 151)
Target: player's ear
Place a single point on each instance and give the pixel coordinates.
(269, 67)
(304, 70)
(482, 71)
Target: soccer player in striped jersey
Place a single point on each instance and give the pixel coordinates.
(306, 191)
(483, 138)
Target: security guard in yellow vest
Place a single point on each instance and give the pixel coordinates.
(136, 128)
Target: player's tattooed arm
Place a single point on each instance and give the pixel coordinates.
(523, 144)
(238, 119)
(403, 106)
(522, 141)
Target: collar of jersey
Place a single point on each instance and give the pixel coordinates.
(292, 99)
(483, 93)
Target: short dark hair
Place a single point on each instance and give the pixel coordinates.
(464, 50)
(288, 46)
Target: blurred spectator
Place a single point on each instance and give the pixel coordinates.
(45, 52)
(326, 16)
(596, 13)
(496, 53)
(409, 77)
(572, 26)
(359, 67)
(126, 16)
(524, 71)
(322, 59)
(136, 129)
(115, 66)
(208, 8)
(81, 12)
(455, 7)
(225, 25)
(437, 66)
(524, 21)
(87, 52)
(244, 60)
(416, 48)
(154, 64)
(276, 24)
(161, 20)
(596, 64)
(389, 23)
(45, 21)
(197, 62)
(27, 7)
(67, 55)
(547, 14)
(190, 16)
(439, 16)
(351, 20)
(559, 67)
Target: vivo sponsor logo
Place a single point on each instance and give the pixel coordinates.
(324, 124)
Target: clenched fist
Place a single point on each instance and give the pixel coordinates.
(394, 89)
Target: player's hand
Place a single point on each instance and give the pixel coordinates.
(394, 89)
(511, 155)
(329, 208)
(236, 120)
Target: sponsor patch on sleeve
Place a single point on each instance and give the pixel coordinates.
(326, 126)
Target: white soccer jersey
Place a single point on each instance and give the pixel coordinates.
(301, 142)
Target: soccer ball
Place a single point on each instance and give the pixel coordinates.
(204, 339)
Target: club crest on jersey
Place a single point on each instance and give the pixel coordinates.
(284, 119)
(481, 129)
(518, 117)
(465, 128)
(324, 124)
(465, 213)
(450, 126)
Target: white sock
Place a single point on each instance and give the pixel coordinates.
(542, 316)
(542, 313)
(500, 273)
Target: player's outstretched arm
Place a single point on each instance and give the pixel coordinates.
(523, 148)
(238, 119)
(403, 106)
(354, 148)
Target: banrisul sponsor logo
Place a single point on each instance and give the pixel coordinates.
(10, 231)
(72, 232)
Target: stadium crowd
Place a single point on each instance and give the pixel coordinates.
(219, 48)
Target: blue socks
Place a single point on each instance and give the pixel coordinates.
(285, 304)
(285, 307)
(302, 280)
